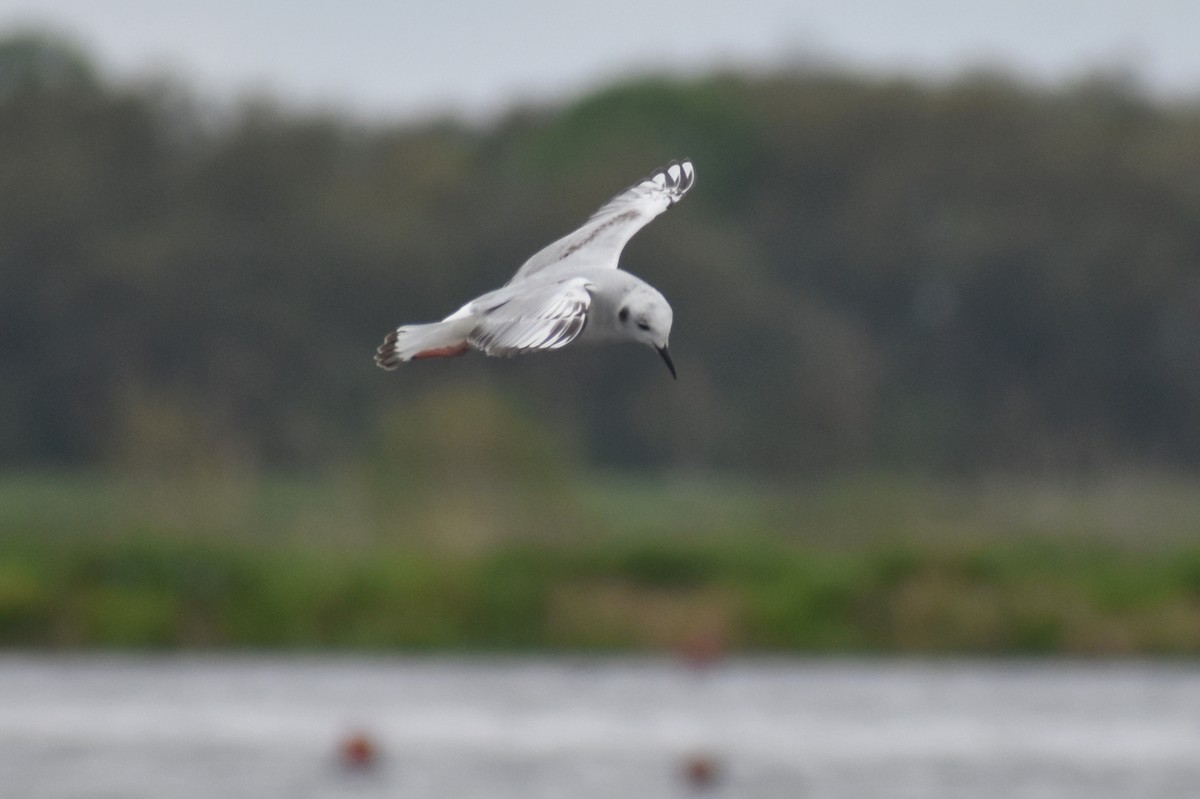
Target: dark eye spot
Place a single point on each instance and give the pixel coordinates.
(643, 325)
(623, 315)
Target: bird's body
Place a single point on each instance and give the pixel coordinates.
(572, 289)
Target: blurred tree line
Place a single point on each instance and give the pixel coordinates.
(869, 274)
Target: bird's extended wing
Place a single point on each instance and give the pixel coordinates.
(599, 241)
(542, 318)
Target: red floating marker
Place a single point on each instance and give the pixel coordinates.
(700, 771)
(358, 751)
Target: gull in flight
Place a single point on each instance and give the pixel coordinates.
(571, 289)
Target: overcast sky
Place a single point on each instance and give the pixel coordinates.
(391, 58)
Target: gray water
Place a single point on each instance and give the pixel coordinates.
(260, 728)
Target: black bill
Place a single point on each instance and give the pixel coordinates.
(666, 356)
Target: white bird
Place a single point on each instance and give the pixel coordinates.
(571, 289)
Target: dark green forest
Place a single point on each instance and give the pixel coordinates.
(972, 277)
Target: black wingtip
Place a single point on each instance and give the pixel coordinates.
(385, 355)
(678, 177)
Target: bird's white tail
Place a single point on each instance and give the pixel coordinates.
(433, 340)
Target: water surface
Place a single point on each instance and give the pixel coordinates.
(265, 727)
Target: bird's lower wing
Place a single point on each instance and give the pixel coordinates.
(542, 318)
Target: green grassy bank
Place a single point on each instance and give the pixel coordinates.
(860, 567)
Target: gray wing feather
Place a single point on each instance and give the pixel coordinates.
(599, 241)
(543, 318)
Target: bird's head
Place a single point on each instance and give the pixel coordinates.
(645, 317)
